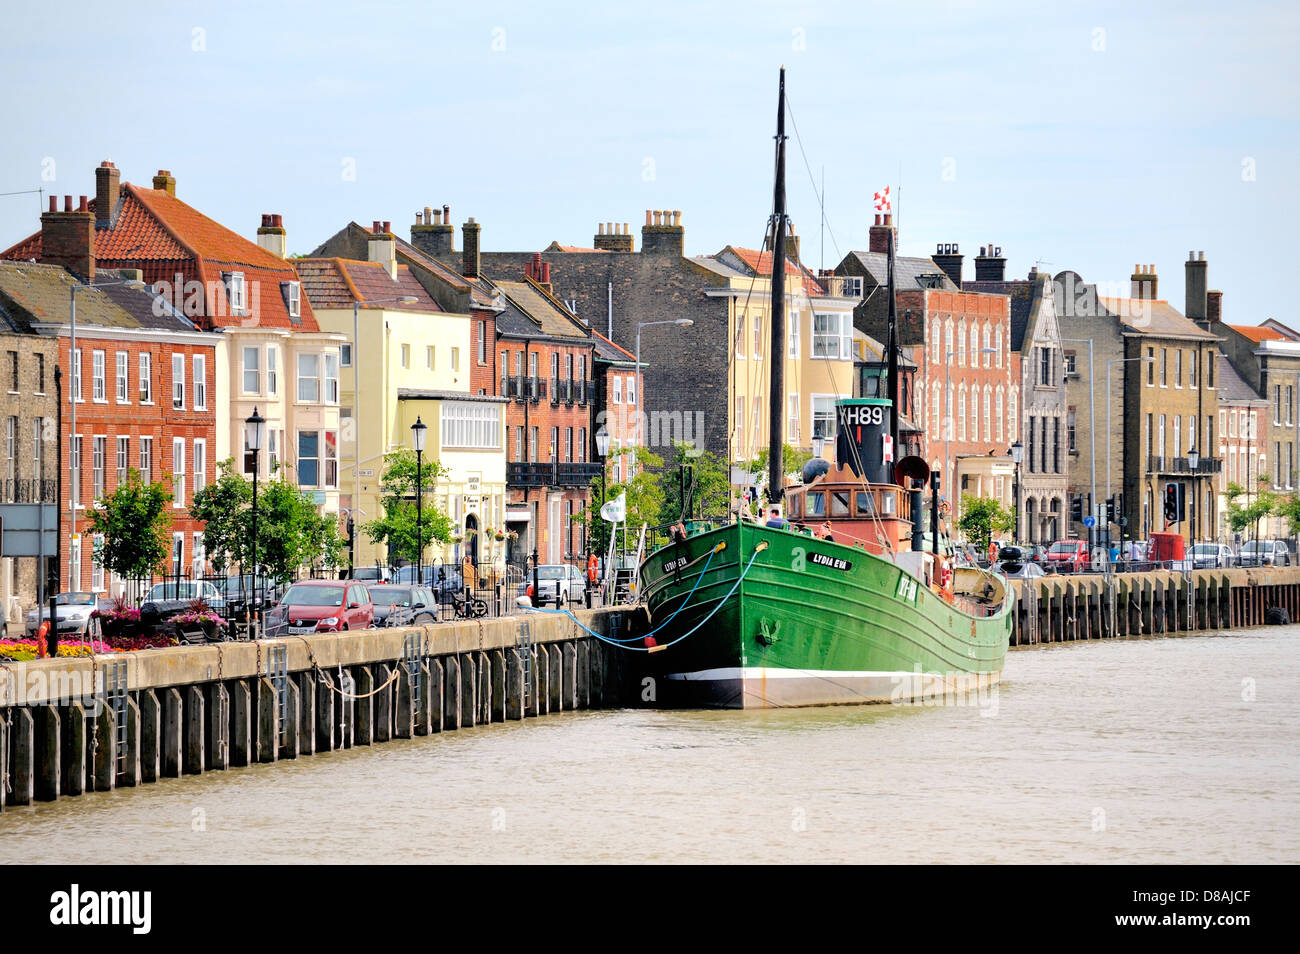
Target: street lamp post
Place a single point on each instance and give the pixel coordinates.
(74, 395)
(356, 409)
(683, 322)
(1017, 455)
(1092, 439)
(1147, 359)
(255, 430)
(603, 441)
(419, 431)
(1193, 460)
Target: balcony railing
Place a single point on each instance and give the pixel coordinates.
(28, 490)
(584, 391)
(523, 474)
(1180, 465)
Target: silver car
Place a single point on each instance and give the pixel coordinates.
(72, 610)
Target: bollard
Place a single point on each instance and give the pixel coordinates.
(483, 712)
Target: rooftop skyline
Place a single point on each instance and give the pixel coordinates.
(1088, 141)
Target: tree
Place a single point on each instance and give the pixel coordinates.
(645, 499)
(1264, 504)
(980, 518)
(396, 528)
(710, 492)
(134, 521)
(792, 461)
(224, 507)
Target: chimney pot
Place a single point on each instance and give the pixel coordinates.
(677, 218)
(600, 228)
(374, 226)
(627, 228)
(546, 273)
(647, 216)
(54, 203)
(67, 203)
(388, 226)
(446, 213)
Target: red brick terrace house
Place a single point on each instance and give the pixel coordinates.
(272, 356)
(143, 378)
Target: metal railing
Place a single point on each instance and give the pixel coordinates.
(1157, 464)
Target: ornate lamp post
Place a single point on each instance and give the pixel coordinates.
(1193, 461)
(255, 430)
(419, 431)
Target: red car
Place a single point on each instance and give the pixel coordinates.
(1067, 556)
(326, 606)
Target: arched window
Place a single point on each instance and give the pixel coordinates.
(988, 422)
(974, 414)
(961, 342)
(997, 416)
(937, 423)
(988, 345)
(947, 341)
(1013, 415)
(921, 407)
(974, 345)
(961, 413)
(997, 344)
(936, 338)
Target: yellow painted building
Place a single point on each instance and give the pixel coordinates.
(408, 359)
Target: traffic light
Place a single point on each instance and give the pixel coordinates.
(1175, 503)
(1110, 510)
(1076, 509)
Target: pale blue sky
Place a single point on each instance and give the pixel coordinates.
(1090, 137)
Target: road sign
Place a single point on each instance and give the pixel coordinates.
(1090, 521)
(25, 527)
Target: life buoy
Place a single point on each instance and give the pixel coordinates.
(593, 568)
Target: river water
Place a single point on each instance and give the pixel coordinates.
(1181, 749)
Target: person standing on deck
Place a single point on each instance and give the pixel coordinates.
(776, 521)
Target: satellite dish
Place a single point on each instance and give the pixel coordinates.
(914, 467)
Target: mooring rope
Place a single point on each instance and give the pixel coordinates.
(722, 545)
(655, 649)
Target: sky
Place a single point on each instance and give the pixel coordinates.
(1082, 136)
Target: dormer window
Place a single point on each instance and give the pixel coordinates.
(236, 292)
(293, 298)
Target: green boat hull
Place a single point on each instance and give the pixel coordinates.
(807, 622)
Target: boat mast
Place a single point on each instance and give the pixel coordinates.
(891, 345)
(776, 404)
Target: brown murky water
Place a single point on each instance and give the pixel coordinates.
(1163, 750)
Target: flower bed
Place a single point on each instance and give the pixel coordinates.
(22, 650)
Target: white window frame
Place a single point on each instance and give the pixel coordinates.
(272, 370)
(198, 555)
(237, 293)
(741, 318)
(254, 369)
(406, 356)
(470, 425)
(793, 334)
(792, 416)
(122, 455)
(758, 337)
(199, 465)
(309, 378)
(98, 464)
(121, 383)
(96, 568)
(331, 377)
(178, 382)
(146, 459)
(294, 299)
(631, 390)
(146, 378)
(200, 372)
(76, 376)
(98, 374)
(178, 473)
(345, 354)
(846, 336)
(617, 390)
(828, 400)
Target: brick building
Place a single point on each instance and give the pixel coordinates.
(967, 394)
(28, 455)
(1243, 428)
(143, 379)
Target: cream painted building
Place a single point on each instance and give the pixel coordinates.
(819, 353)
(412, 361)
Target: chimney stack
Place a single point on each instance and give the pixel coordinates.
(382, 248)
(470, 260)
(612, 237)
(164, 181)
(1213, 307)
(990, 266)
(879, 240)
(665, 236)
(1144, 282)
(108, 187)
(948, 257)
(792, 245)
(1194, 303)
(436, 236)
(68, 237)
(271, 236)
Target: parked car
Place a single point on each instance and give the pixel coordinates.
(372, 574)
(1068, 556)
(1207, 556)
(325, 606)
(443, 580)
(1264, 553)
(72, 611)
(557, 583)
(188, 590)
(1021, 571)
(403, 605)
(240, 591)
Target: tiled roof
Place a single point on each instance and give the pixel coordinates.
(35, 294)
(338, 282)
(1258, 333)
(717, 267)
(557, 247)
(608, 350)
(1024, 300)
(1230, 385)
(907, 270)
(539, 310)
(1152, 316)
(154, 226)
(760, 263)
(480, 294)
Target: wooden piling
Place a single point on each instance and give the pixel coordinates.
(151, 721)
(404, 711)
(291, 737)
(514, 679)
(383, 727)
(569, 673)
(497, 669)
(241, 724)
(217, 743)
(22, 760)
(193, 745)
(73, 746)
(325, 701)
(268, 721)
(451, 693)
(173, 733)
(555, 672)
(468, 691)
(48, 766)
(105, 764)
(128, 775)
(436, 705)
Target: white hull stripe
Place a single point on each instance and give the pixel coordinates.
(762, 672)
